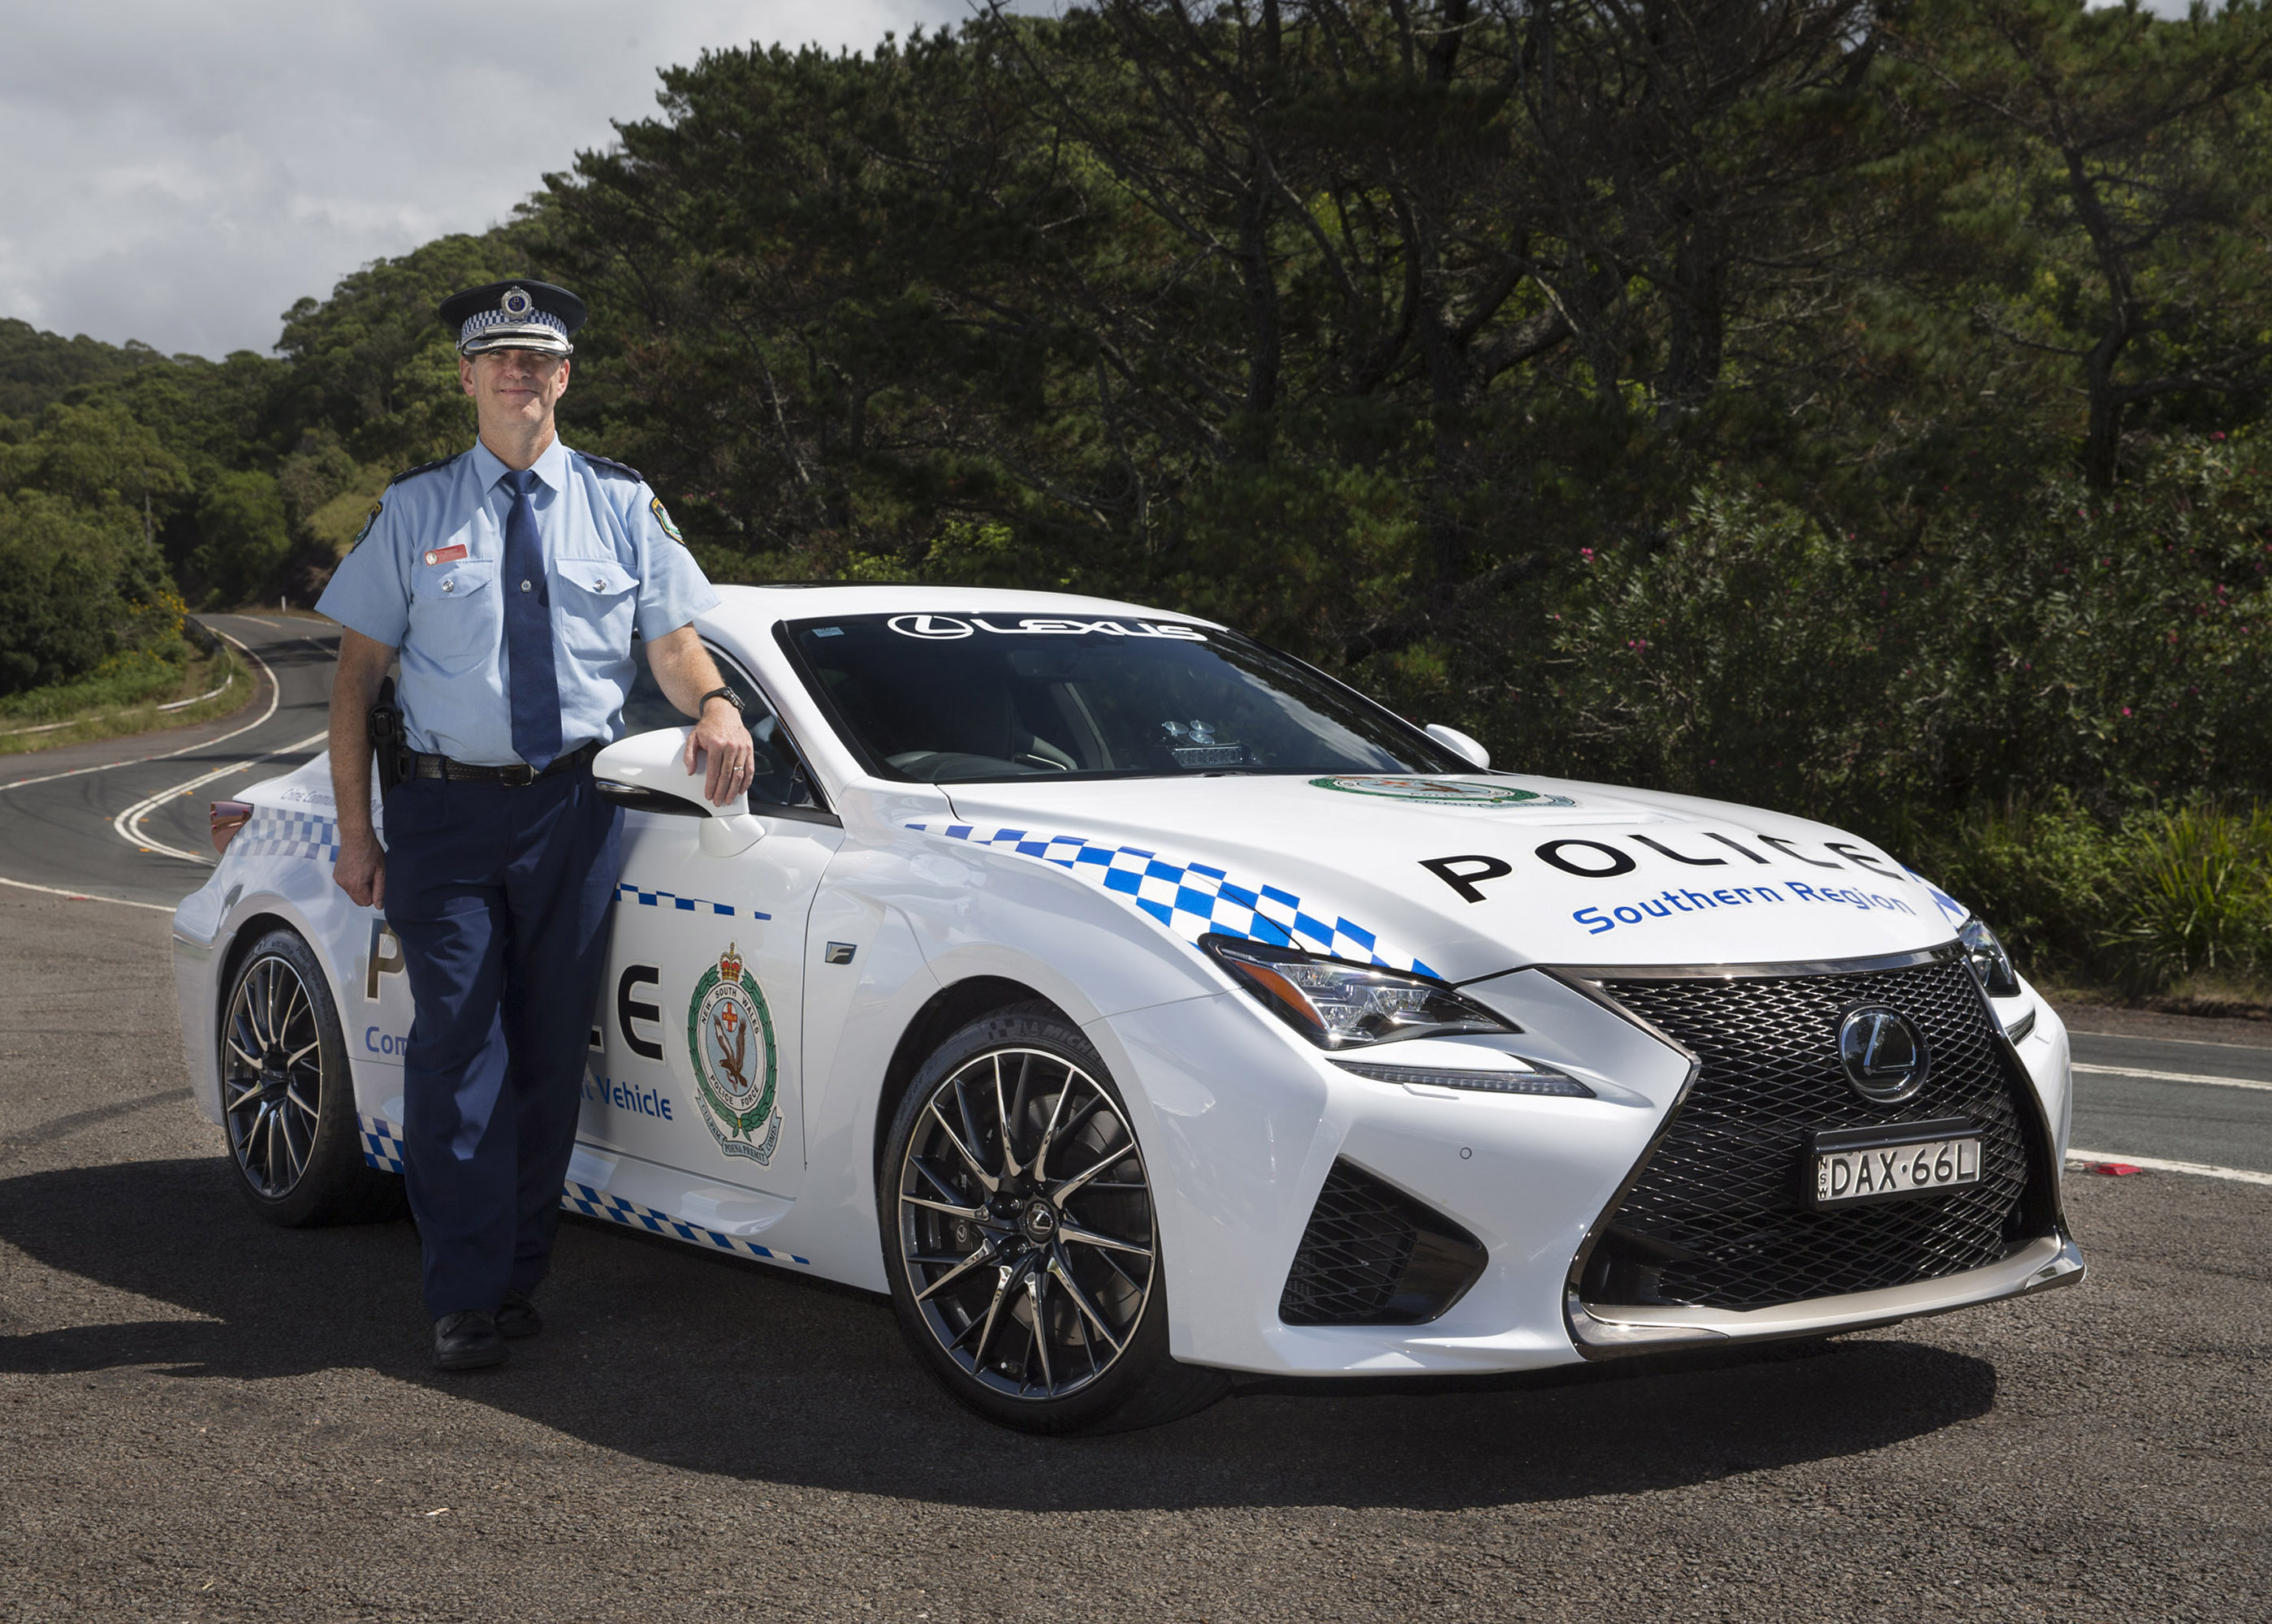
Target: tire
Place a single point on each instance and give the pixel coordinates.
(1038, 1300)
(288, 1098)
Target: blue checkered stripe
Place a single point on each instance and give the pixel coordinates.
(270, 833)
(382, 1144)
(592, 1204)
(631, 892)
(1195, 899)
(382, 1148)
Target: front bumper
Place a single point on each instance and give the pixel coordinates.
(1601, 1332)
(1243, 1123)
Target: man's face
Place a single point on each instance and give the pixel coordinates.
(513, 390)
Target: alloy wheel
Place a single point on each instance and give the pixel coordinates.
(272, 1075)
(1025, 1222)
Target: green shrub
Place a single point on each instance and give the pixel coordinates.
(2046, 873)
(2199, 897)
(69, 589)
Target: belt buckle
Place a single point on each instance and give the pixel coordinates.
(519, 775)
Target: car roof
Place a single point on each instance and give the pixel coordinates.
(807, 601)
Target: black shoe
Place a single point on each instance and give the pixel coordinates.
(517, 1316)
(467, 1340)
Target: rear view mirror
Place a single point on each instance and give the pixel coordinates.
(647, 773)
(1459, 744)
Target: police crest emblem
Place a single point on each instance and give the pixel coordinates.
(662, 518)
(730, 1036)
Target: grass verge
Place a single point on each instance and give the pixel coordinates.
(125, 699)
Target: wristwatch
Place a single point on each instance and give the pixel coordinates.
(727, 694)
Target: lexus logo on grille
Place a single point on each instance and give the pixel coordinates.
(1884, 1055)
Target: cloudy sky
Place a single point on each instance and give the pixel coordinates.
(180, 171)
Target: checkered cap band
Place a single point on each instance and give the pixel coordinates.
(542, 326)
(1195, 899)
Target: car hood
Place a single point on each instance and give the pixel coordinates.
(1469, 875)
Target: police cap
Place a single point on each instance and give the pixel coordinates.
(521, 314)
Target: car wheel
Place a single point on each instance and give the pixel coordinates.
(287, 1098)
(1021, 1238)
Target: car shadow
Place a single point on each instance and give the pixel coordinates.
(695, 1360)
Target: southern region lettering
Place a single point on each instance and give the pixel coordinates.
(1666, 903)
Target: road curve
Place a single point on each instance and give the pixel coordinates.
(66, 815)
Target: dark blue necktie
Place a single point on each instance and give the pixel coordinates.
(529, 632)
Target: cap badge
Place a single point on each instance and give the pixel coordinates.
(517, 304)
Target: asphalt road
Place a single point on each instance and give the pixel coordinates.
(205, 1418)
(2204, 1098)
(61, 811)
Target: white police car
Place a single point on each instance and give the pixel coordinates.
(1137, 1005)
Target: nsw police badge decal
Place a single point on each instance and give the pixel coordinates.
(729, 1035)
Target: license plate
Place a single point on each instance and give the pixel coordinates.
(1848, 1167)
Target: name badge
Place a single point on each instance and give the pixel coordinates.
(447, 555)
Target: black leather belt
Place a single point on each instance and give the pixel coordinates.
(423, 765)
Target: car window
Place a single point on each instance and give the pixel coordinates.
(942, 698)
(781, 779)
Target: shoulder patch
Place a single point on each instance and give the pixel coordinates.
(662, 517)
(369, 519)
(423, 467)
(613, 467)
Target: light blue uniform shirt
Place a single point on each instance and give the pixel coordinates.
(426, 579)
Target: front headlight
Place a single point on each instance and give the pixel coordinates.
(1338, 1005)
(1989, 960)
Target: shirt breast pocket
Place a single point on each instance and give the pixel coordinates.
(597, 599)
(455, 621)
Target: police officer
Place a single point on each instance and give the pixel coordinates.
(508, 579)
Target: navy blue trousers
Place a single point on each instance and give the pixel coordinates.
(501, 899)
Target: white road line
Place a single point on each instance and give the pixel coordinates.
(2196, 1042)
(276, 694)
(2236, 1175)
(86, 896)
(2125, 1071)
(129, 823)
(202, 697)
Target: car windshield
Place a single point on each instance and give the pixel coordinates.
(944, 699)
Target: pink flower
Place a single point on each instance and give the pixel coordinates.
(2126, 710)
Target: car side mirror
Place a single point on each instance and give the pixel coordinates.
(647, 773)
(1459, 744)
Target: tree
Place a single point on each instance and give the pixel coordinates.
(2139, 192)
(244, 543)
